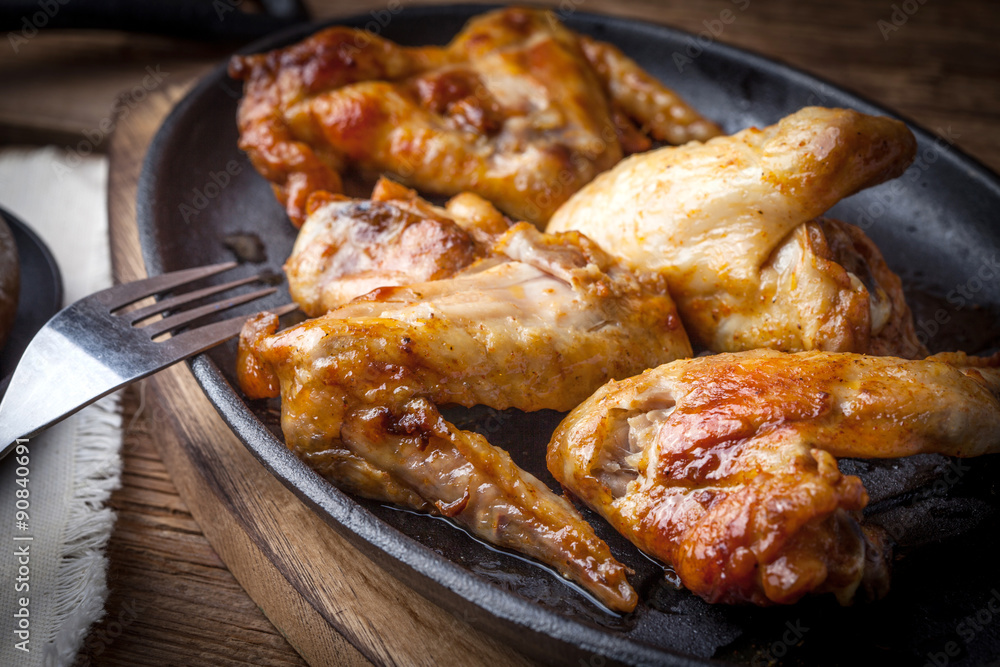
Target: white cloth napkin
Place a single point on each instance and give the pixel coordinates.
(50, 595)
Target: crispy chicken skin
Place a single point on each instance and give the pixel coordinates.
(348, 247)
(539, 324)
(725, 467)
(734, 224)
(517, 108)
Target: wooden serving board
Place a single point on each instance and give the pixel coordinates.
(334, 605)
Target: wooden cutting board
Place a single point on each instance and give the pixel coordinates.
(332, 603)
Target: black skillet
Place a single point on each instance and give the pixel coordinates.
(188, 19)
(938, 228)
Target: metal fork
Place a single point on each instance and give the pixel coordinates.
(89, 349)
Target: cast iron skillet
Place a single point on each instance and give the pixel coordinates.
(937, 227)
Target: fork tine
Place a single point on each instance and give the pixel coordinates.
(30, 406)
(197, 340)
(122, 295)
(180, 319)
(182, 299)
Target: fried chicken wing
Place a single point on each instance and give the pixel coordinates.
(517, 108)
(734, 223)
(348, 247)
(539, 324)
(637, 96)
(725, 466)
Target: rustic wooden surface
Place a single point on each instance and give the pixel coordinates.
(173, 599)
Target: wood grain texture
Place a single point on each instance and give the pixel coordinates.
(172, 599)
(61, 86)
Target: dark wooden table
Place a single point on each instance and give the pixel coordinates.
(173, 599)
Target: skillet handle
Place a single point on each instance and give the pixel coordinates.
(190, 19)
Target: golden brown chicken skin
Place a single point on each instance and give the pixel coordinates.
(734, 223)
(516, 109)
(348, 247)
(538, 325)
(724, 466)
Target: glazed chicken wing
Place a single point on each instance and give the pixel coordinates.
(517, 108)
(348, 247)
(725, 466)
(537, 325)
(734, 225)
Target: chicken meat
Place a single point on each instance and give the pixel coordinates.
(516, 108)
(348, 247)
(735, 224)
(539, 323)
(725, 467)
